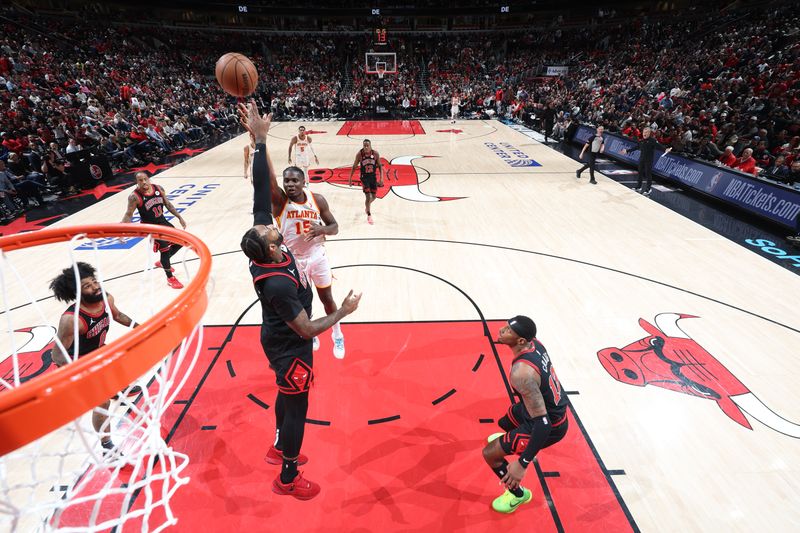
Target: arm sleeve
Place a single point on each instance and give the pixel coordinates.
(540, 432)
(282, 296)
(262, 207)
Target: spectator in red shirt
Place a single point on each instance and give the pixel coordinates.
(746, 163)
(632, 131)
(11, 144)
(138, 134)
(727, 158)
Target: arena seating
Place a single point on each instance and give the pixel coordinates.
(138, 92)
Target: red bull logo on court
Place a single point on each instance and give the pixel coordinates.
(33, 357)
(400, 177)
(668, 358)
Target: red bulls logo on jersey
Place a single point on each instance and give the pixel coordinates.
(33, 356)
(670, 359)
(400, 176)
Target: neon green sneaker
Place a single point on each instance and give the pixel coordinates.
(494, 436)
(508, 503)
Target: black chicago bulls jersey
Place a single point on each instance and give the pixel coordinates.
(96, 328)
(151, 206)
(554, 399)
(284, 293)
(368, 163)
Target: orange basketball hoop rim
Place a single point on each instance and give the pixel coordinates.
(46, 403)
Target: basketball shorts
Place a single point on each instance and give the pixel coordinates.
(302, 160)
(516, 440)
(162, 246)
(316, 267)
(294, 371)
(369, 184)
(454, 110)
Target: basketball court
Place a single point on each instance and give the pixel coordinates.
(674, 345)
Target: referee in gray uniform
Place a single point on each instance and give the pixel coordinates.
(598, 145)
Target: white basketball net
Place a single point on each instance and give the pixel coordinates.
(65, 481)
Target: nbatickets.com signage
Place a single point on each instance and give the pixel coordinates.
(511, 155)
(182, 198)
(768, 200)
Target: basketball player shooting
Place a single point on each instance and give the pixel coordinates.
(286, 330)
(93, 324)
(304, 218)
(150, 200)
(369, 162)
(538, 421)
(302, 151)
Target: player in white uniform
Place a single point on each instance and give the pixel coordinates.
(302, 151)
(304, 220)
(454, 103)
(249, 152)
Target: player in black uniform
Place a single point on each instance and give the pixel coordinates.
(151, 200)
(287, 329)
(371, 175)
(538, 421)
(93, 323)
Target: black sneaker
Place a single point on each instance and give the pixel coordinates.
(638, 189)
(593, 182)
(577, 174)
(646, 193)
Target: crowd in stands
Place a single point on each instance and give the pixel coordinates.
(398, 91)
(723, 88)
(100, 90)
(731, 95)
(302, 77)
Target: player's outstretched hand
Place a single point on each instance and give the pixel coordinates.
(350, 303)
(253, 122)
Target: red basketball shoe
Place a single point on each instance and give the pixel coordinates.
(300, 487)
(174, 283)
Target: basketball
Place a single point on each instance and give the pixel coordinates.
(236, 74)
